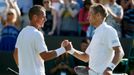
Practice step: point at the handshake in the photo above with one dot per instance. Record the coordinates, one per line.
(66, 46)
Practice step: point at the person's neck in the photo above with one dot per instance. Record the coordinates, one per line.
(112, 3)
(10, 23)
(34, 25)
(98, 23)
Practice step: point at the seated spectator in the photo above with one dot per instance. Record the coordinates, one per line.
(84, 17)
(64, 65)
(68, 15)
(83, 46)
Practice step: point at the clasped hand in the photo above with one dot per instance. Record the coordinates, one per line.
(67, 45)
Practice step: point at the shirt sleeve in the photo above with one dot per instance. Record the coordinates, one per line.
(17, 42)
(113, 39)
(40, 43)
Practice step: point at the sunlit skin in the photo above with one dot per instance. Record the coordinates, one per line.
(39, 20)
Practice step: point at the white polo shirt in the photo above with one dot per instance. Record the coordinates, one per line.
(30, 44)
(100, 49)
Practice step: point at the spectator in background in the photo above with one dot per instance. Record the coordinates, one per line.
(24, 6)
(81, 3)
(12, 15)
(128, 21)
(3, 8)
(83, 17)
(83, 46)
(69, 22)
(115, 15)
(125, 4)
(10, 24)
(64, 65)
(55, 4)
(50, 24)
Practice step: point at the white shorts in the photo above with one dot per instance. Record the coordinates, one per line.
(94, 73)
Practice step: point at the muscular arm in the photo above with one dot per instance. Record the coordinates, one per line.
(81, 56)
(15, 55)
(48, 55)
(119, 53)
(117, 58)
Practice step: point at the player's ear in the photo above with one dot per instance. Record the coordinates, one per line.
(35, 17)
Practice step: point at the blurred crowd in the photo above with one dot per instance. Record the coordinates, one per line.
(69, 17)
(64, 18)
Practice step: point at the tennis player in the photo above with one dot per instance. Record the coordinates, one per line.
(105, 50)
(31, 50)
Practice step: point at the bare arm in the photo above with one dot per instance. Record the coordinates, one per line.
(119, 53)
(15, 55)
(117, 58)
(48, 55)
(54, 13)
(81, 56)
(78, 54)
(117, 17)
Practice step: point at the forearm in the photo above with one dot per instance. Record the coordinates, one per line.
(118, 55)
(73, 12)
(15, 55)
(54, 23)
(117, 58)
(81, 56)
(48, 55)
(118, 18)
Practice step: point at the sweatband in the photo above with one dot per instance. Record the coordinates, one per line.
(60, 51)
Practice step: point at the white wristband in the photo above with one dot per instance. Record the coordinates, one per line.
(60, 51)
(112, 66)
(71, 51)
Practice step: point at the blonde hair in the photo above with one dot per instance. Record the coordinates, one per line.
(14, 13)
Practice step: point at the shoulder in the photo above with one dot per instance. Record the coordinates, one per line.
(118, 6)
(109, 29)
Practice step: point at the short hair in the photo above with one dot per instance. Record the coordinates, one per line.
(35, 10)
(85, 40)
(99, 8)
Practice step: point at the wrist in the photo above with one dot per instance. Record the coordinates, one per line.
(111, 66)
(71, 51)
(60, 51)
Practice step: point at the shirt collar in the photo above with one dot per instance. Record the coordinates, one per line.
(100, 27)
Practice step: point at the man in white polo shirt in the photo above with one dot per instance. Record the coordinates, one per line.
(31, 50)
(105, 50)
